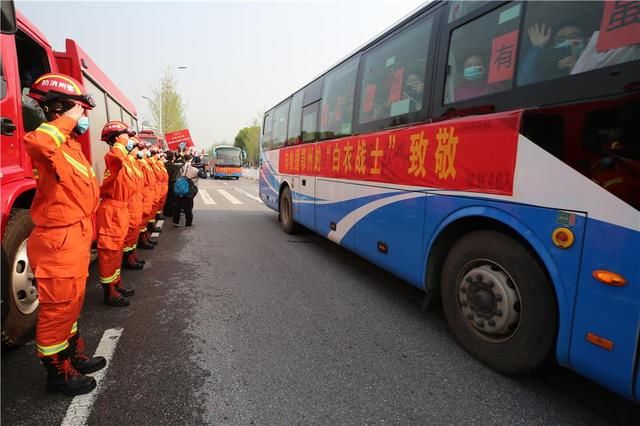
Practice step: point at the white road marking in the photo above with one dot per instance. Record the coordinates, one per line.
(206, 198)
(225, 183)
(80, 407)
(159, 224)
(246, 194)
(229, 197)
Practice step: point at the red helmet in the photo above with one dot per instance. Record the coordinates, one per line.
(51, 86)
(115, 128)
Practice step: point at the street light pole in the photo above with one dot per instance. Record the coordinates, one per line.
(162, 121)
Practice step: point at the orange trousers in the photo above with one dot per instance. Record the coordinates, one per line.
(148, 200)
(113, 223)
(59, 258)
(135, 218)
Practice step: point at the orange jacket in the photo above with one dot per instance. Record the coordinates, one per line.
(118, 183)
(138, 174)
(149, 175)
(67, 189)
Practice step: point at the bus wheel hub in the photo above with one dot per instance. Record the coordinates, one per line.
(489, 301)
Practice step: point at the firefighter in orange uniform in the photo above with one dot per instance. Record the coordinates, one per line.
(164, 188)
(148, 197)
(59, 246)
(113, 215)
(130, 258)
(161, 184)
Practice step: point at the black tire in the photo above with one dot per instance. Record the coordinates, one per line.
(499, 302)
(21, 303)
(286, 212)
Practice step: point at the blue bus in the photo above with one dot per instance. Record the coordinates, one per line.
(489, 154)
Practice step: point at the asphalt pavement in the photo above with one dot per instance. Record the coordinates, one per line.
(236, 322)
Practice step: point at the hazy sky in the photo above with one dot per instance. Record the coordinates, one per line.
(242, 57)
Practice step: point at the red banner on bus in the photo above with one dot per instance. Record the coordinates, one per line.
(468, 154)
(174, 139)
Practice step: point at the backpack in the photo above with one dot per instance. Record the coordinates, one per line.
(184, 187)
(181, 187)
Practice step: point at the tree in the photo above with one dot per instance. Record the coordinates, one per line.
(166, 105)
(248, 139)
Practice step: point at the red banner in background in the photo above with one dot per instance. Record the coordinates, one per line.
(174, 139)
(469, 154)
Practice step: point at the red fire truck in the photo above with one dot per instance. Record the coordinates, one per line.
(26, 55)
(149, 136)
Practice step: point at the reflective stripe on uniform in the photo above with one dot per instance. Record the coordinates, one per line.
(78, 165)
(53, 349)
(53, 132)
(128, 249)
(112, 278)
(121, 148)
(74, 328)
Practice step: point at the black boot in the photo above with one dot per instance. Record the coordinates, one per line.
(144, 243)
(149, 240)
(127, 292)
(129, 261)
(63, 377)
(112, 297)
(135, 256)
(80, 360)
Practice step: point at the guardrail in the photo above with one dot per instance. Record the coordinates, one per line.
(250, 173)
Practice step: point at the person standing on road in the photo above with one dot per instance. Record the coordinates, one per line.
(186, 203)
(67, 195)
(173, 165)
(148, 197)
(130, 257)
(117, 190)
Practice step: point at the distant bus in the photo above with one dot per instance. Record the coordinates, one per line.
(227, 162)
(488, 153)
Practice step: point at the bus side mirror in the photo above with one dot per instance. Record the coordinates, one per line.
(8, 22)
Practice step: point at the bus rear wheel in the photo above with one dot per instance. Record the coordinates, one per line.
(20, 295)
(286, 212)
(499, 302)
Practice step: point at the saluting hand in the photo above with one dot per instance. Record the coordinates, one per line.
(75, 112)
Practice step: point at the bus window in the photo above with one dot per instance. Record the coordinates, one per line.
(565, 38)
(266, 131)
(280, 125)
(32, 63)
(309, 122)
(460, 8)
(295, 115)
(393, 80)
(482, 55)
(337, 101)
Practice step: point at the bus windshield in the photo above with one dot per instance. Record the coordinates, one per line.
(228, 156)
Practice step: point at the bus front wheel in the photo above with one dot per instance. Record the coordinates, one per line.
(499, 302)
(286, 212)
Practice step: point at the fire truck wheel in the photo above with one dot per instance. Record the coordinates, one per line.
(20, 306)
(499, 302)
(286, 212)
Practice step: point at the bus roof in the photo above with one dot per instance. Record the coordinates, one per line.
(81, 62)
